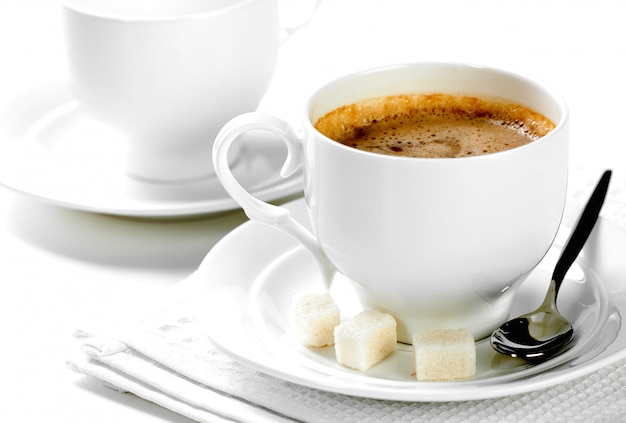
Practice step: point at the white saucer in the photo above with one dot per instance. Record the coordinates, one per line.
(50, 149)
(252, 273)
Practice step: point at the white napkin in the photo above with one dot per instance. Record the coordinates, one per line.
(166, 358)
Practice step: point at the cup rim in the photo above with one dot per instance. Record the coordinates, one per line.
(121, 17)
(554, 94)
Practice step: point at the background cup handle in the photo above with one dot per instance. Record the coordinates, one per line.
(288, 31)
(257, 210)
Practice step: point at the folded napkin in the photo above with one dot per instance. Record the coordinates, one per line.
(165, 358)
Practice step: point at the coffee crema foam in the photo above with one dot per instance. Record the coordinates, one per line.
(434, 125)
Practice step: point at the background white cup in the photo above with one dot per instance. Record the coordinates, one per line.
(170, 73)
(438, 243)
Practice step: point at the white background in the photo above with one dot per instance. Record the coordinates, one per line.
(61, 268)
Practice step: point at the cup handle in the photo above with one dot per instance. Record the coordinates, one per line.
(257, 210)
(289, 31)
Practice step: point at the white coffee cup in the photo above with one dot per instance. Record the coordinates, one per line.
(170, 73)
(437, 242)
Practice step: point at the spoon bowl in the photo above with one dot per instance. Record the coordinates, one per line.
(537, 334)
(544, 332)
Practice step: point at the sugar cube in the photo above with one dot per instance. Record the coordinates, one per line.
(315, 318)
(365, 339)
(444, 354)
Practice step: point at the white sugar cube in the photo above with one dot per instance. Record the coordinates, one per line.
(315, 318)
(365, 339)
(444, 354)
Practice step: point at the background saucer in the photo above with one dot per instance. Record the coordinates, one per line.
(51, 150)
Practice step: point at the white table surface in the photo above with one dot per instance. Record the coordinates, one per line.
(60, 268)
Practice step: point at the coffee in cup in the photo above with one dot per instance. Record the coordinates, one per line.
(439, 243)
(434, 125)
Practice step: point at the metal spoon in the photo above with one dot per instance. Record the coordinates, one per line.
(542, 333)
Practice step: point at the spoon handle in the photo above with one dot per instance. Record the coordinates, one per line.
(579, 235)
